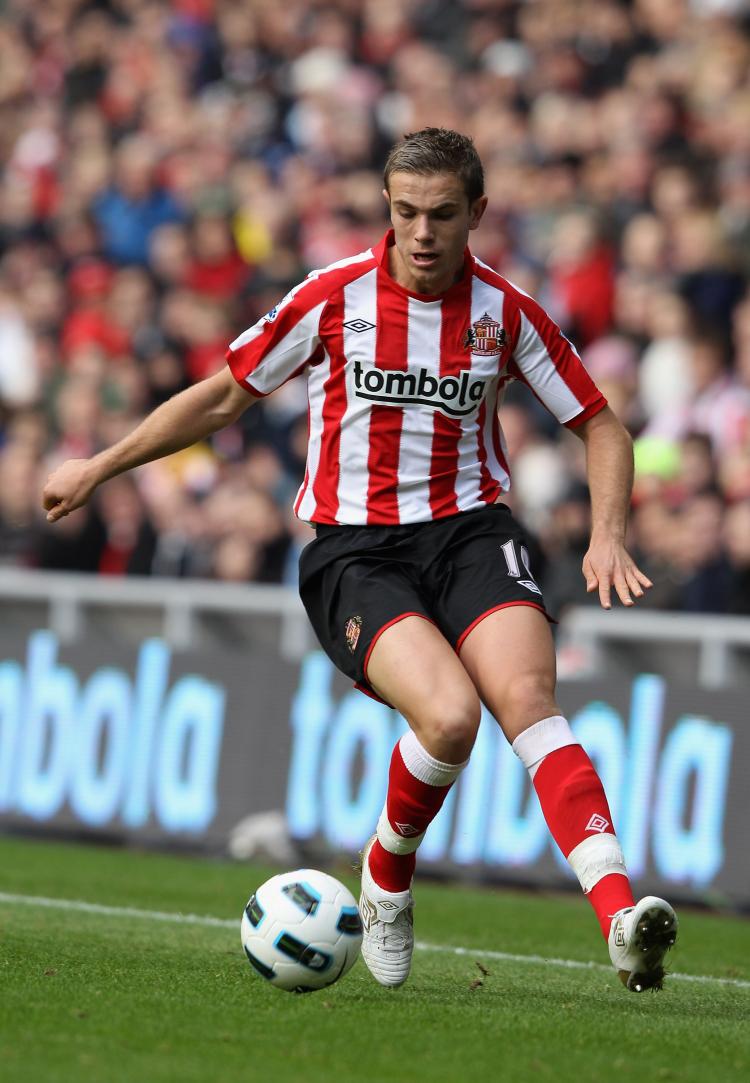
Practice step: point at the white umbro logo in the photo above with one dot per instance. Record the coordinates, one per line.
(597, 823)
(530, 585)
(407, 829)
(386, 904)
(359, 325)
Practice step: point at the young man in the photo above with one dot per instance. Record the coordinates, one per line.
(418, 582)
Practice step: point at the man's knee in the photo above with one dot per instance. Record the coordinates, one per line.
(449, 728)
(525, 696)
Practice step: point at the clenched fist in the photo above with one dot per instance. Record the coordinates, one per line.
(68, 488)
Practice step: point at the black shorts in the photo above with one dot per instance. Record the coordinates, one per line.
(356, 581)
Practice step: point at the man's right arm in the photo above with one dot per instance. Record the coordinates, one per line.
(181, 421)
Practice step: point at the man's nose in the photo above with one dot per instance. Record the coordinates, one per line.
(424, 231)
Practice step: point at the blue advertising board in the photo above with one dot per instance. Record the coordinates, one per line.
(178, 748)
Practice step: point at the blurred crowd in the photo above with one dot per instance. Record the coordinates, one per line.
(170, 169)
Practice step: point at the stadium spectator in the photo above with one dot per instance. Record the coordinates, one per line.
(737, 542)
(699, 555)
(134, 205)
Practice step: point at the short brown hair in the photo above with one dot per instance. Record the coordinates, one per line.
(438, 150)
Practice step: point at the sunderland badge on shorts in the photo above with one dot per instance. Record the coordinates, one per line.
(352, 628)
(486, 337)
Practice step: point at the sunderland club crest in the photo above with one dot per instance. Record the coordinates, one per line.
(486, 337)
(352, 628)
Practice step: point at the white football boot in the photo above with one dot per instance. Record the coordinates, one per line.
(387, 928)
(639, 938)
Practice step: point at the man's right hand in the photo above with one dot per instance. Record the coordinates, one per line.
(68, 488)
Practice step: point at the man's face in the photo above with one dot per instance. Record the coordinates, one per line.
(431, 219)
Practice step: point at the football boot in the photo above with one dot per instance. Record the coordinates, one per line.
(639, 938)
(387, 928)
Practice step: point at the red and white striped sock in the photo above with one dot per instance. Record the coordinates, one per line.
(417, 786)
(577, 813)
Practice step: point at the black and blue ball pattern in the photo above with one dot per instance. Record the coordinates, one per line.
(301, 930)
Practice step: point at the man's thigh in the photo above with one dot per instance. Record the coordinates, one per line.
(414, 668)
(510, 657)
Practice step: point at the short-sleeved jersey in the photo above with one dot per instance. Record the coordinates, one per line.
(404, 388)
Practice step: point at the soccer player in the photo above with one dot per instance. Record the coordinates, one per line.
(418, 582)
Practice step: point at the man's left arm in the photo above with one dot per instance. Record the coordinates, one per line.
(545, 360)
(609, 466)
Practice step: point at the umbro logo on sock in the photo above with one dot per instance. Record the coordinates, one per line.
(407, 829)
(597, 823)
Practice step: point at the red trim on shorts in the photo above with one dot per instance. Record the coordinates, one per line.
(379, 633)
(371, 693)
(495, 608)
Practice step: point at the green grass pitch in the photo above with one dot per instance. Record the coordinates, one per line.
(96, 996)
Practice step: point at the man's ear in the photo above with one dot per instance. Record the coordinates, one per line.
(387, 198)
(477, 209)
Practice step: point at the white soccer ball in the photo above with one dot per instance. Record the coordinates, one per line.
(301, 930)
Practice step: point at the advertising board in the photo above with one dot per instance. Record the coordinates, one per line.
(179, 748)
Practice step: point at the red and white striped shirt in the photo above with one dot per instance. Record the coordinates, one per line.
(404, 388)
